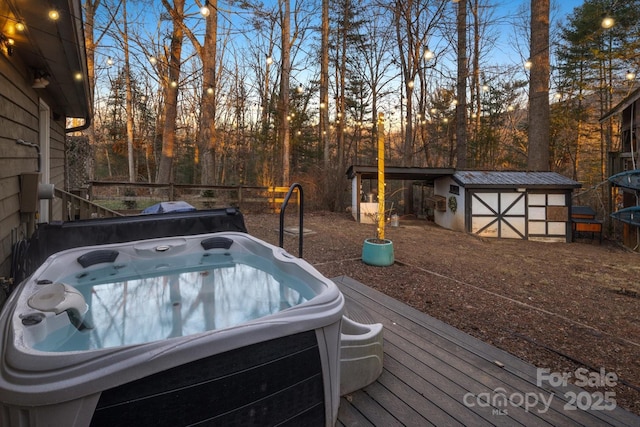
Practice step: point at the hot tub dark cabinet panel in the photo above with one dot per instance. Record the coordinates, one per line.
(277, 382)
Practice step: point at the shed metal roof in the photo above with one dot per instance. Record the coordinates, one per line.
(500, 179)
(399, 173)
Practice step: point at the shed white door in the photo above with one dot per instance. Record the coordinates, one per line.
(499, 214)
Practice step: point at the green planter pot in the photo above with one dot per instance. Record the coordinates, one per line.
(377, 252)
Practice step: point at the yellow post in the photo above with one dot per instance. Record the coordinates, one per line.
(381, 218)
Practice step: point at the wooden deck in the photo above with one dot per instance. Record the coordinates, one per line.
(435, 374)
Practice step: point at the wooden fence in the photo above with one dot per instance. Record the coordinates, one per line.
(137, 196)
(73, 206)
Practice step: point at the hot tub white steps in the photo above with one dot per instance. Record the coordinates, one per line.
(361, 349)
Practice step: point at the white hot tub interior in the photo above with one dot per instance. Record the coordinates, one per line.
(154, 291)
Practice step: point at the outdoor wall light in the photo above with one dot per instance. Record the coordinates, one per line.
(41, 79)
(7, 43)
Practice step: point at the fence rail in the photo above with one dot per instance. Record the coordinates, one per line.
(136, 196)
(75, 207)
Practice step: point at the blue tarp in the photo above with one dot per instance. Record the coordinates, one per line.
(164, 207)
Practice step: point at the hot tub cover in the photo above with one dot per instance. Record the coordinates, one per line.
(164, 207)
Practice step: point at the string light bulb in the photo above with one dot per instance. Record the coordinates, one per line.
(20, 26)
(54, 15)
(204, 10)
(607, 22)
(428, 54)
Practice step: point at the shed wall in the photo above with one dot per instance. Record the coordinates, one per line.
(448, 218)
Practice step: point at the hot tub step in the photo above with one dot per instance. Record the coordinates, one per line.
(360, 355)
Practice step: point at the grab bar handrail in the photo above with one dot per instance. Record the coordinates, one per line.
(300, 212)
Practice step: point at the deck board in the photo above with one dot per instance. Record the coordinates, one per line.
(430, 366)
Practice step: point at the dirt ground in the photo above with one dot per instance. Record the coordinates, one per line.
(560, 306)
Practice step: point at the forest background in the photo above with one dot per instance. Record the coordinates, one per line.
(232, 93)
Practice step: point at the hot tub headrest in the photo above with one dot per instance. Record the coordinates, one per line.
(51, 238)
(59, 298)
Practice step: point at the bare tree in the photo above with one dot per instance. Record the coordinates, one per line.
(129, 95)
(285, 74)
(323, 127)
(461, 89)
(93, 36)
(207, 135)
(170, 85)
(375, 63)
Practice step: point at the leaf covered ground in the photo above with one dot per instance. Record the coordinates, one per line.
(560, 306)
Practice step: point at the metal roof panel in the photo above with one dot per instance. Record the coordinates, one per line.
(506, 179)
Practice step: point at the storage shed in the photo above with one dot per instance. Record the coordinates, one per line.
(364, 209)
(516, 205)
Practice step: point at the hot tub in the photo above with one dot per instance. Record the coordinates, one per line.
(206, 329)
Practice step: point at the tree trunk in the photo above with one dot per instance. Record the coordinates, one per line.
(207, 138)
(341, 102)
(128, 94)
(324, 90)
(171, 100)
(538, 152)
(90, 8)
(461, 106)
(284, 91)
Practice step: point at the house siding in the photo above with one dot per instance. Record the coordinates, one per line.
(19, 119)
